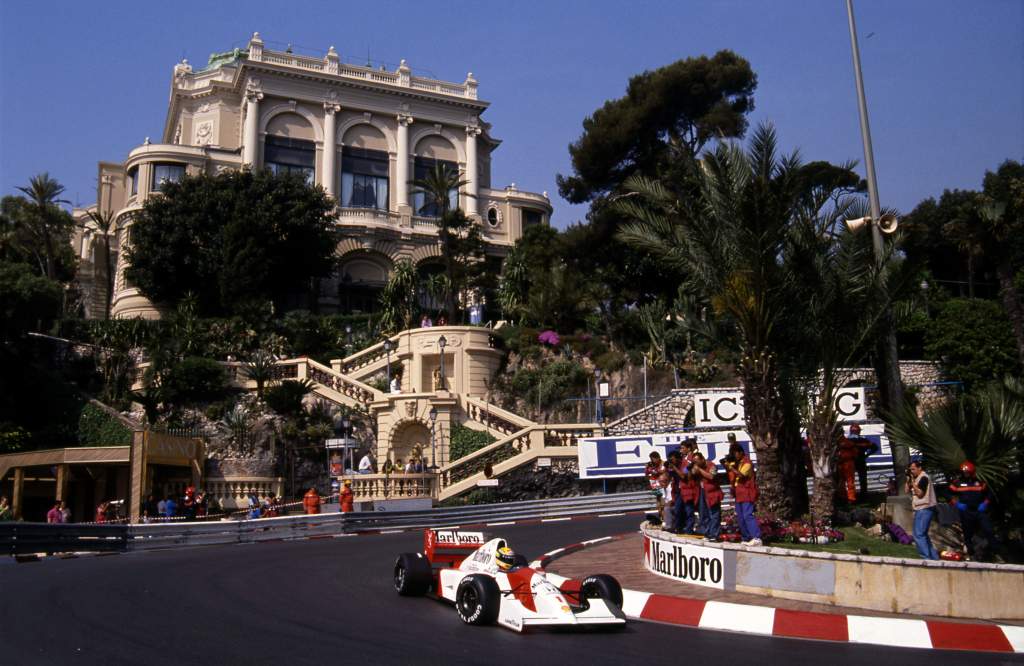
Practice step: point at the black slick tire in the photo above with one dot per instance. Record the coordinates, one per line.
(478, 600)
(602, 586)
(413, 575)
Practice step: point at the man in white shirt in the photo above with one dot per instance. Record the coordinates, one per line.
(366, 464)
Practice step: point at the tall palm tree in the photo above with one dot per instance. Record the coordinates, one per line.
(47, 221)
(730, 240)
(437, 186)
(104, 222)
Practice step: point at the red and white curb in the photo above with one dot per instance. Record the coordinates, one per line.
(768, 621)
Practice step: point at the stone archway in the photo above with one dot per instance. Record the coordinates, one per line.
(405, 439)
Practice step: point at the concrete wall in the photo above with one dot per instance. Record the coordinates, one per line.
(894, 585)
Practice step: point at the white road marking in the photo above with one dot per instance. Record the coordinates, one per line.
(888, 631)
(610, 515)
(723, 615)
(554, 520)
(508, 522)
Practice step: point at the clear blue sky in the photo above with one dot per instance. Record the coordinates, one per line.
(85, 81)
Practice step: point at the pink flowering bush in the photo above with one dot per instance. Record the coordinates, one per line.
(549, 338)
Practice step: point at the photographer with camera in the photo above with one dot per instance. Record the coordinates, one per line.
(710, 520)
(922, 499)
(743, 480)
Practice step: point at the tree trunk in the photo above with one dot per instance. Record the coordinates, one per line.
(764, 421)
(823, 439)
(1012, 304)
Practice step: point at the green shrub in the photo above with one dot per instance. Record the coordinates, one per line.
(466, 440)
(286, 397)
(96, 427)
(195, 380)
(610, 361)
(973, 340)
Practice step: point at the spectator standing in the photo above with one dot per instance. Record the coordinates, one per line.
(311, 501)
(653, 471)
(254, 505)
(65, 513)
(846, 468)
(170, 507)
(101, 512)
(5, 510)
(396, 384)
(346, 496)
(150, 506)
(399, 467)
(743, 480)
(442, 320)
(865, 449)
(366, 464)
(674, 468)
(972, 500)
(56, 514)
(711, 519)
(922, 498)
(161, 507)
(689, 493)
(426, 322)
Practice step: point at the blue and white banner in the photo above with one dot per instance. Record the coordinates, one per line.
(624, 456)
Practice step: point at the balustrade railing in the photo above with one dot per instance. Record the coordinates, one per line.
(372, 487)
(492, 416)
(354, 390)
(232, 492)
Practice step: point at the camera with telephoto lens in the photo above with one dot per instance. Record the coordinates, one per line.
(725, 462)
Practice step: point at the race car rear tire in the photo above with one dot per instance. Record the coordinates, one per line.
(478, 600)
(413, 575)
(602, 586)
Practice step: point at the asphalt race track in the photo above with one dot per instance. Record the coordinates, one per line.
(331, 601)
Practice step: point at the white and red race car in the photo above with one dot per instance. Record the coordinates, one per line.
(460, 567)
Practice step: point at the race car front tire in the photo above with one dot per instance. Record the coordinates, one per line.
(602, 586)
(478, 600)
(413, 575)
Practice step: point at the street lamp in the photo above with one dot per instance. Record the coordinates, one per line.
(348, 338)
(388, 346)
(924, 292)
(597, 395)
(346, 426)
(433, 449)
(442, 342)
(889, 382)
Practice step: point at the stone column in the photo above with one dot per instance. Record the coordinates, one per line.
(472, 176)
(17, 491)
(250, 137)
(402, 166)
(327, 176)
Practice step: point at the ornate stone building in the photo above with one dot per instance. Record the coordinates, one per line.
(359, 132)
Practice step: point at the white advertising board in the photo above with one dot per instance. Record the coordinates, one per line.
(690, 563)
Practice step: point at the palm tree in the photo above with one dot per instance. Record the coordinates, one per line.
(47, 221)
(104, 222)
(437, 186)
(399, 298)
(730, 240)
(986, 428)
(261, 368)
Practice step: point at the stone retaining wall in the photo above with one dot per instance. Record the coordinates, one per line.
(890, 584)
(669, 414)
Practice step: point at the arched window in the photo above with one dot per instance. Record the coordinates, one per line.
(364, 178)
(283, 155)
(421, 203)
(164, 172)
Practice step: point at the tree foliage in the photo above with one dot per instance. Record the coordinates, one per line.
(667, 113)
(973, 340)
(233, 240)
(26, 298)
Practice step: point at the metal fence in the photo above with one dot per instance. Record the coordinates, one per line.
(22, 538)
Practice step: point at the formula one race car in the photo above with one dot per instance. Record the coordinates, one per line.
(489, 583)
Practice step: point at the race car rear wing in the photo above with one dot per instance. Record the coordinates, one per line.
(447, 548)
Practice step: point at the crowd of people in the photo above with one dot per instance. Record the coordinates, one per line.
(689, 491)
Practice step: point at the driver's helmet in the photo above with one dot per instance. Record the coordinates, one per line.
(967, 469)
(505, 558)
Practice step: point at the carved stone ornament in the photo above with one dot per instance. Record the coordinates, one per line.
(204, 133)
(177, 135)
(410, 408)
(405, 119)
(203, 108)
(331, 103)
(254, 89)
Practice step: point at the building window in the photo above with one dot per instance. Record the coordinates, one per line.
(133, 178)
(493, 216)
(364, 178)
(290, 156)
(531, 218)
(422, 167)
(166, 173)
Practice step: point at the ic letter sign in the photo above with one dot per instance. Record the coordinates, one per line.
(718, 409)
(850, 404)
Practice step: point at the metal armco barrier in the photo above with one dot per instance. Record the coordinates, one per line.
(21, 538)
(25, 538)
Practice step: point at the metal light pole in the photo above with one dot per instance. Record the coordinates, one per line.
(433, 449)
(346, 432)
(388, 346)
(597, 395)
(889, 379)
(442, 342)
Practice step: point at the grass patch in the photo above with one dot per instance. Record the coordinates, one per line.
(857, 538)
